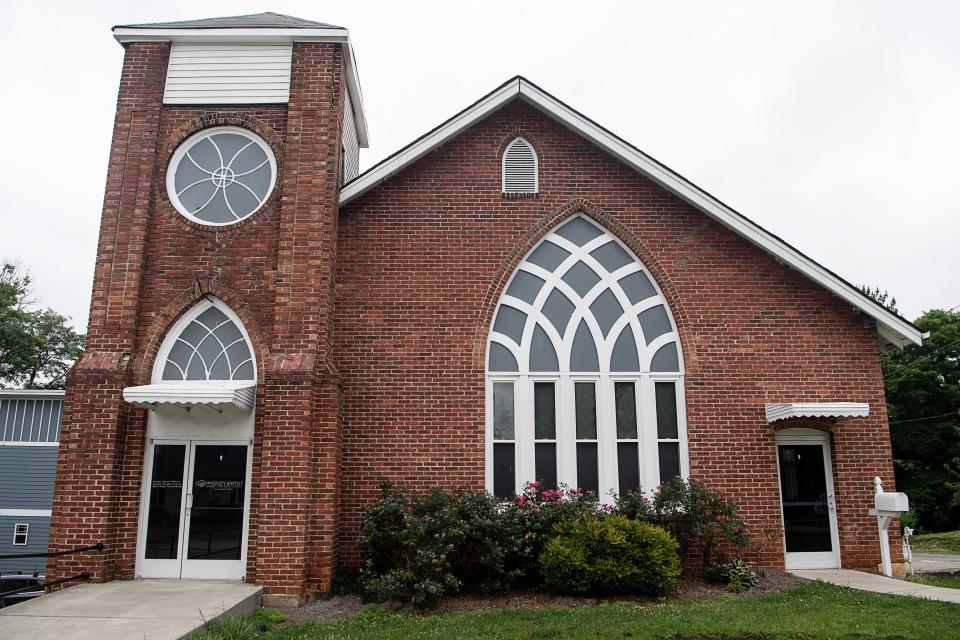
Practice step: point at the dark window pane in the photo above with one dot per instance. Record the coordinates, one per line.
(503, 474)
(587, 474)
(628, 466)
(544, 411)
(166, 491)
(666, 393)
(503, 411)
(586, 403)
(216, 517)
(669, 460)
(803, 488)
(626, 400)
(546, 464)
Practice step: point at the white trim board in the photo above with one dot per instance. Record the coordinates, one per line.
(125, 35)
(891, 327)
(26, 513)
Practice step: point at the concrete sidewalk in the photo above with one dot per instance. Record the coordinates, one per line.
(124, 609)
(879, 584)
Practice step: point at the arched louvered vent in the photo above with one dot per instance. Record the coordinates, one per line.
(520, 168)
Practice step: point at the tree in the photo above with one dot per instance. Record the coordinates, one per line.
(923, 399)
(37, 347)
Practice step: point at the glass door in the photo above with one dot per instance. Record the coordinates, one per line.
(215, 512)
(196, 506)
(809, 518)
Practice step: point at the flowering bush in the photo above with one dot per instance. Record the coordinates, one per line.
(419, 549)
(697, 517)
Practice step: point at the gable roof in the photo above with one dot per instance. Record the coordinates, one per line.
(266, 20)
(894, 330)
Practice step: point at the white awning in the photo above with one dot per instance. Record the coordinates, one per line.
(215, 394)
(785, 410)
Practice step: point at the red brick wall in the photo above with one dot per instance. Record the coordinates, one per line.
(424, 257)
(275, 269)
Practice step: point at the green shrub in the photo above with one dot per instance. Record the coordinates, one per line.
(416, 550)
(611, 555)
(736, 574)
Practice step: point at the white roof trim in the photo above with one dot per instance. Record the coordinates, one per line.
(215, 394)
(54, 394)
(890, 326)
(786, 410)
(123, 35)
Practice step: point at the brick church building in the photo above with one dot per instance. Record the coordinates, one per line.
(518, 294)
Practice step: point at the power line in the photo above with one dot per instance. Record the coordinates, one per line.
(942, 415)
(923, 357)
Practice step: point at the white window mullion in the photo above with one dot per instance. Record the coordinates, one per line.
(566, 433)
(526, 466)
(607, 439)
(647, 433)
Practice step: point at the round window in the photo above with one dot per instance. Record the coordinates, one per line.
(220, 176)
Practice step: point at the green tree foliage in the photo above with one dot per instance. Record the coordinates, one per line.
(37, 346)
(923, 399)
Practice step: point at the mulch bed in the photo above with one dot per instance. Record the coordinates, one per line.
(691, 588)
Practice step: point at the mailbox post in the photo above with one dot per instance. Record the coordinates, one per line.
(887, 506)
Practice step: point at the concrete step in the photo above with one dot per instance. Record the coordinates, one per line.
(123, 609)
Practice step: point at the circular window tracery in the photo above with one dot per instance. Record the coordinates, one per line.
(222, 175)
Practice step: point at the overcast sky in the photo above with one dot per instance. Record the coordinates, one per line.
(836, 128)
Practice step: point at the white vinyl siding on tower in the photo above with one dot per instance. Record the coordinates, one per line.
(351, 146)
(228, 73)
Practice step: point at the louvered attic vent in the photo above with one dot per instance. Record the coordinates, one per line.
(520, 168)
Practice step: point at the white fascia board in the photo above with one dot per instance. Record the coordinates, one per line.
(786, 410)
(33, 394)
(125, 35)
(902, 332)
(251, 36)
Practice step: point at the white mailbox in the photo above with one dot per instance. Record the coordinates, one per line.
(892, 501)
(887, 506)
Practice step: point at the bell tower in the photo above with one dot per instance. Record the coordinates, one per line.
(231, 140)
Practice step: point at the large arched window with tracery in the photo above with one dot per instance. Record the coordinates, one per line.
(584, 371)
(208, 343)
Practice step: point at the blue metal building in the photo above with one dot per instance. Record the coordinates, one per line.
(29, 437)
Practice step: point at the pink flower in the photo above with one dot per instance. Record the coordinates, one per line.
(719, 518)
(607, 508)
(736, 529)
(533, 485)
(521, 500)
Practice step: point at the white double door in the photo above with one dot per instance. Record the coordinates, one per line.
(195, 510)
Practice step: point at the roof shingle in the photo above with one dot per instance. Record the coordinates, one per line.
(267, 20)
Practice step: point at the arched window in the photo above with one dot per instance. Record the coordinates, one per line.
(584, 371)
(520, 168)
(207, 343)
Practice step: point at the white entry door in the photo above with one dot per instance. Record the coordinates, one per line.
(194, 523)
(807, 499)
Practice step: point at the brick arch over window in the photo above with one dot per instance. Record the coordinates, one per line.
(180, 307)
(584, 370)
(583, 207)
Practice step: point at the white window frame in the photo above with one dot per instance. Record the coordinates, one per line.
(536, 167)
(21, 529)
(644, 381)
(187, 144)
(177, 329)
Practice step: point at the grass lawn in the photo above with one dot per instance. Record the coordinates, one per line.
(951, 581)
(810, 611)
(947, 542)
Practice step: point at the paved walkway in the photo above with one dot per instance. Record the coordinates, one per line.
(879, 584)
(141, 609)
(936, 562)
